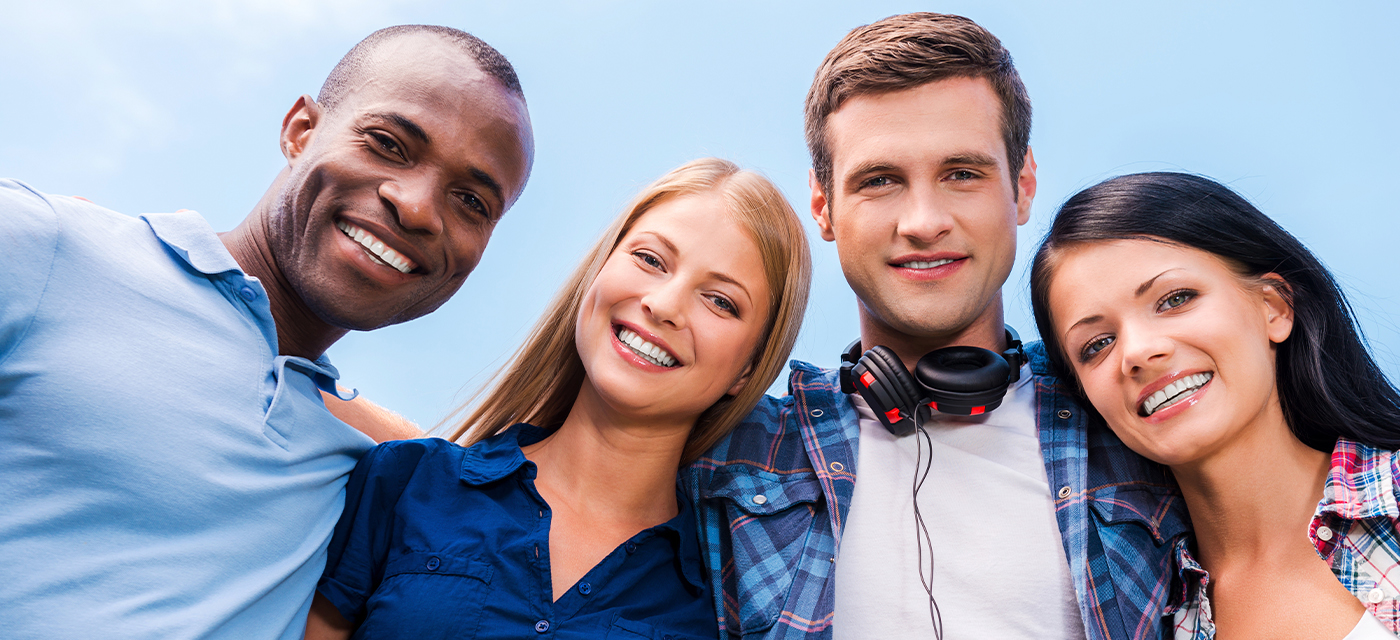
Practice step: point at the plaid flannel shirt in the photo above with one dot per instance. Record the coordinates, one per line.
(773, 495)
(1353, 530)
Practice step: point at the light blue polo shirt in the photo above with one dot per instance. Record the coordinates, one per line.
(163, 472)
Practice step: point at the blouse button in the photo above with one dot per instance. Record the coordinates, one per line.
(542, 626)
(760, 499)
(1324, 533)
(1375, 596)
(433, 563)
(631, 547)
(585, 588)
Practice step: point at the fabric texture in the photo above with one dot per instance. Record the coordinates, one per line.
(164, 473)
(1354, 530)
(440, 541)
(772, 498)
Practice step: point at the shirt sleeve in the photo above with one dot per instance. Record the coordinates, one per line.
(362, 538)
(28, 241)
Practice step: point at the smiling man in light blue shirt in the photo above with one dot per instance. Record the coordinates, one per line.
(167, 466)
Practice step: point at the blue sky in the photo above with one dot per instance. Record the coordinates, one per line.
(156, 105)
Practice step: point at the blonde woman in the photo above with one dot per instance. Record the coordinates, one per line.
(568, 524)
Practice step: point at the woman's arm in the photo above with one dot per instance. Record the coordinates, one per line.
(325, 621)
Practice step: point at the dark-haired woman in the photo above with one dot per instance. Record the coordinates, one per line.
(1213, 342)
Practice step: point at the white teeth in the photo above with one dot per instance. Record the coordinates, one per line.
(925, 265)
(654, 354)
(381, 253)
(1174, 392)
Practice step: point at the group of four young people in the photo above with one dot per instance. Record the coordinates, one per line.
(1200, 370)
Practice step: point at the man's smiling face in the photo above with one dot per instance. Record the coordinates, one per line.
(393, 194)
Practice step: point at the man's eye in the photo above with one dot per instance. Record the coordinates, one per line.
(476, 204)
(1093, 347)
(386, 144)
(878, 181)
(961, 174)
(1175, 299)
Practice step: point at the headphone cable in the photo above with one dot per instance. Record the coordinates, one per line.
(921, 536)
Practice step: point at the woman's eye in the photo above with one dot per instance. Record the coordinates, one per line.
(1175, 299)
(725, 305)
(1093, 347)
(650, 260)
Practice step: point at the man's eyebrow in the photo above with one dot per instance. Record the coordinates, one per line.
(490, 183)
(404, 123)
(1142, 288)
(971, 158)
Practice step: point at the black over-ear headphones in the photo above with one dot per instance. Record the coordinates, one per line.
(964, 381)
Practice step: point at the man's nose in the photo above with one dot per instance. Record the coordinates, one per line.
(926, 218)
(415, 203)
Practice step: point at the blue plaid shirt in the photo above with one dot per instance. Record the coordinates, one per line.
(772, 498)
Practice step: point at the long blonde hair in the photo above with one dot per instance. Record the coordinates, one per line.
(542, 379)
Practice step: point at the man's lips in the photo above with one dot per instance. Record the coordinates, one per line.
(378, 250)
(928, 267)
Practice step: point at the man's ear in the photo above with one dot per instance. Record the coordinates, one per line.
(743, 380)
(821, 211)
(1278, 313)
(1025, 183)
(298, 127)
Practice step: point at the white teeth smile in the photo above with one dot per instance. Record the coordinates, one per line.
(926, 265)
(650, 352)
(378, 252)
(1174, 392)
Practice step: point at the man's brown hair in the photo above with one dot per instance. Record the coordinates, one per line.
(906, 51)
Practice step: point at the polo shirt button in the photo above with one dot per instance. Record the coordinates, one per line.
(542, 626)
(631, 547)
(1324, 533)
(433, 563)
(585, 588)
(760, 499)
(248, 293)
(1375, 596)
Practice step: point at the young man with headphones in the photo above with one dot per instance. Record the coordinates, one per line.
(941, 479)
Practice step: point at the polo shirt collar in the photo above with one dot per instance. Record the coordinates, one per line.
(190, 237)
(500, 456)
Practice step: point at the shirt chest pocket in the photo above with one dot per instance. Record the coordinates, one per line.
(771, 521)
(428, 595)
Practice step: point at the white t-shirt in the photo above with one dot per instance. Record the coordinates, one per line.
(999, 566)
(1369, 628)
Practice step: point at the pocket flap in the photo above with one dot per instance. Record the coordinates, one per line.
(438, 563)
(762, 493)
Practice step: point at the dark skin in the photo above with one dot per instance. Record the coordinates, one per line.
(423, 154)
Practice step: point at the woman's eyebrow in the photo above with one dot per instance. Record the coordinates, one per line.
(1142, 288)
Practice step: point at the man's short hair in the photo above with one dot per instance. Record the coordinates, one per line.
(907, 51)
(343, 76)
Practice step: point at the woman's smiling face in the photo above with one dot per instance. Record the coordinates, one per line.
(1171, 345)
(670, 324)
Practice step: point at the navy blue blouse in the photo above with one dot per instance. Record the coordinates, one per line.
(439, 541)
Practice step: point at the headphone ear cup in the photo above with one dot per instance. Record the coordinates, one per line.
(892, 388)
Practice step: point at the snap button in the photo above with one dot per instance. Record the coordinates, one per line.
(542, 626)
(433, 563)
(585, 588)
(760, 499)
(631, 547)
(816, 413)
(837, 466)
(1324, 533)
(1375, 596)
(1064, 414)
(248, 293)
(1065, 491)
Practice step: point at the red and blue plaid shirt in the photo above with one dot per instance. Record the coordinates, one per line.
(1353, 529)
(772, 498)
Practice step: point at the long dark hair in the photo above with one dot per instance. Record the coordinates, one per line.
(1328, 384)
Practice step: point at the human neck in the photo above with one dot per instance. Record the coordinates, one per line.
(1251, 502)
(622, 468)
(299, 331)
(987, 331)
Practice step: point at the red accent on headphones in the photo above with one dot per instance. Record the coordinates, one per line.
(977, 411)
(893, 415)
(867, 378)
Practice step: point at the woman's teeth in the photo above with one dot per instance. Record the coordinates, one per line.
(926, 265)
(652, 353)
(376, 247)
(1174, 392)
